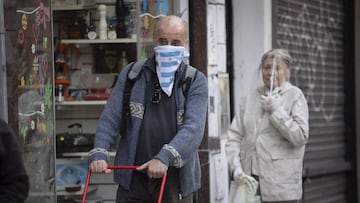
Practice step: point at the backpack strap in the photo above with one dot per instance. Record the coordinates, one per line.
(135, 69)
(189, 77)
(132, 75)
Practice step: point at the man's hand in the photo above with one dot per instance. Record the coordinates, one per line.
(99, 166)
(155, 168)
(241, 178)
(270, 103)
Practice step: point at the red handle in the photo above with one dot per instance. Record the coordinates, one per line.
(162, 186)
(122, 167)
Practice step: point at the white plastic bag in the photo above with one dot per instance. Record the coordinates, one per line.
(242, 194)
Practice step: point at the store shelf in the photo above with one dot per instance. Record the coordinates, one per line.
(98, 41)
(69, 194)
(41, 194)
(81, 154)
(68, 6)
(72, 8)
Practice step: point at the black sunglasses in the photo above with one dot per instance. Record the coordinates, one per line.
(156, 93)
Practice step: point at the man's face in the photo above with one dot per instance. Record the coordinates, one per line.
(280, 72)
(170, 34)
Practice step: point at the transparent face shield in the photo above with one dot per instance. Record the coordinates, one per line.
(273, 74)
(265, 76)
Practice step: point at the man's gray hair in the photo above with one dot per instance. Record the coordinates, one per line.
(158, 21)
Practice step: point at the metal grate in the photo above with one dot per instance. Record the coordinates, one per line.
(313, 32)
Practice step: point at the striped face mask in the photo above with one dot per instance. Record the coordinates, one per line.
(168, 59)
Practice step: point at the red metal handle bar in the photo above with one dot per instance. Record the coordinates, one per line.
(162, 188)
(86, 187)
(122, 167)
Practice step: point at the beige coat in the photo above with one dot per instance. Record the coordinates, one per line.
(275, 142)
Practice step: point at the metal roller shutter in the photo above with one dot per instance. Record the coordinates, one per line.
(313, 31)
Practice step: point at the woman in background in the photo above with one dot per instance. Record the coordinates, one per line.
(267, 137)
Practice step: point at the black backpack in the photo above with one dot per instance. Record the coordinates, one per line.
(133, 74)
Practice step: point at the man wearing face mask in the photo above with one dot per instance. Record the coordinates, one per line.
(166, 128)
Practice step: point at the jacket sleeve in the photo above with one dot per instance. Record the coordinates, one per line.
(14, 181)
(235, 134)
(109, 125)
(293, 124)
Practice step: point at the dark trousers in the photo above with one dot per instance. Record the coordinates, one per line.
(259, 193)
(146, 190)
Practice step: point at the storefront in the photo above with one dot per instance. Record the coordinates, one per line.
(50, 50)
(320, 35)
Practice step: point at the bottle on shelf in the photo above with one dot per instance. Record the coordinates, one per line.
(102, 23)
(60, 97)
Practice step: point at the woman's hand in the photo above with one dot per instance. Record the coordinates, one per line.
(270, 103)
(241, 178)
